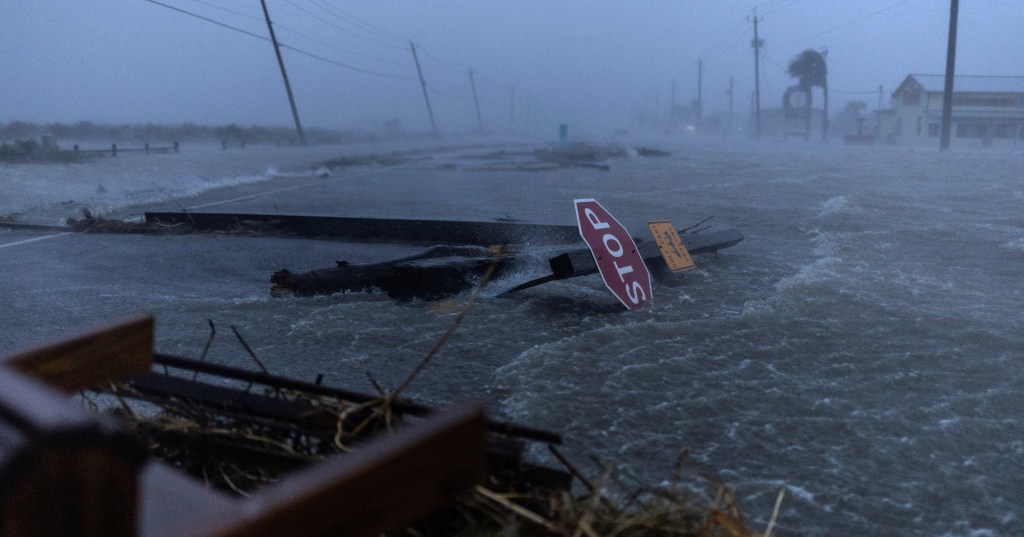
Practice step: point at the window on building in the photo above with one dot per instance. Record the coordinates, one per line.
(933, 129)
(971, 130)
(919, 120)
(911, 97)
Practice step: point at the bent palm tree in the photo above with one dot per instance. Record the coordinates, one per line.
(810, 70)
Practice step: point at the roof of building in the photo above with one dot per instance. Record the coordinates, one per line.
(968, 83)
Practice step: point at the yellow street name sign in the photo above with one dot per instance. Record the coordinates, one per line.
(671, 245)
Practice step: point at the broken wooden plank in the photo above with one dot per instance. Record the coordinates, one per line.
(413, 231)
(95, 358)
(398, 406)
(166, 390)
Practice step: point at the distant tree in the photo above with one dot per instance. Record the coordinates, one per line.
(810, 70)
(17, 130)
(82, 129)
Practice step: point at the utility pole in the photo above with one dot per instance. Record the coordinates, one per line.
(757, 43)
(423, 83)
(672, 109)
(729, 129)
(672, 98)
(700, 93)
(947, 92)
(284, 74)
(878, 115)
(476, 102)
(512, 110)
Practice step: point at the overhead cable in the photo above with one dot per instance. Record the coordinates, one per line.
(339, 28)
(207, 19)
(222, 8)
(345, 65)
(848, 23)
(336, 12)
(283, 45)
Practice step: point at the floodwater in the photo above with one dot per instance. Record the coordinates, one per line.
(862, 347)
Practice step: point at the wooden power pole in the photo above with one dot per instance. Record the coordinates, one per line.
(512, 109)
(476, 102)
(284, 74)
(423, 84)
(729, 129)
(947, 91)
(756, 43)
(700, 94)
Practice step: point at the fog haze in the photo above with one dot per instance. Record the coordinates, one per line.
(594, 65)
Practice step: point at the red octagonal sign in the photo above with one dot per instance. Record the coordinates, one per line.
(617, 258)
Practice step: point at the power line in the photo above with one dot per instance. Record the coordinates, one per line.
(345, 65)
(283, 45)
(222, 8)
(848, 23)
(339, 28)
(207, 19)
(439, 61)
(336, 47)
(355, 21)
(773, 62)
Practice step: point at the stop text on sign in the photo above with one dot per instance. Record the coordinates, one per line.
(615, 253)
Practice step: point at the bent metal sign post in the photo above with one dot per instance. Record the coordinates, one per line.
(615, 253)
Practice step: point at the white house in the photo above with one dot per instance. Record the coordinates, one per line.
(987, 111)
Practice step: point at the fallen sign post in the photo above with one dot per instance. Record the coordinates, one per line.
(615, 254)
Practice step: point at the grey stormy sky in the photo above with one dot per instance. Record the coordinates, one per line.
(592, 64)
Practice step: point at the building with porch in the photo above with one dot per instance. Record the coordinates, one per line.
(987, 111)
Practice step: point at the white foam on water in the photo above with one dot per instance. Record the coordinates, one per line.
(833, 205)
(820, 270)
(1016, 245)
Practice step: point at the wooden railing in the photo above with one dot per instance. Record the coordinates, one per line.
(67, 471)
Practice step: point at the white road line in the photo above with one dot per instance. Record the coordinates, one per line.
(285, 189)
(26, 241)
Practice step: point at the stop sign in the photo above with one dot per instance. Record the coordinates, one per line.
(615, 253)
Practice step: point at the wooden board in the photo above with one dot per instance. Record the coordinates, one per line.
(95, 358)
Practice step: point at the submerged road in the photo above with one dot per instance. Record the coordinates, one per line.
(58, 281)
(860, 348)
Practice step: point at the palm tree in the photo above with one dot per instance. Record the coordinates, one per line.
(810, 70)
